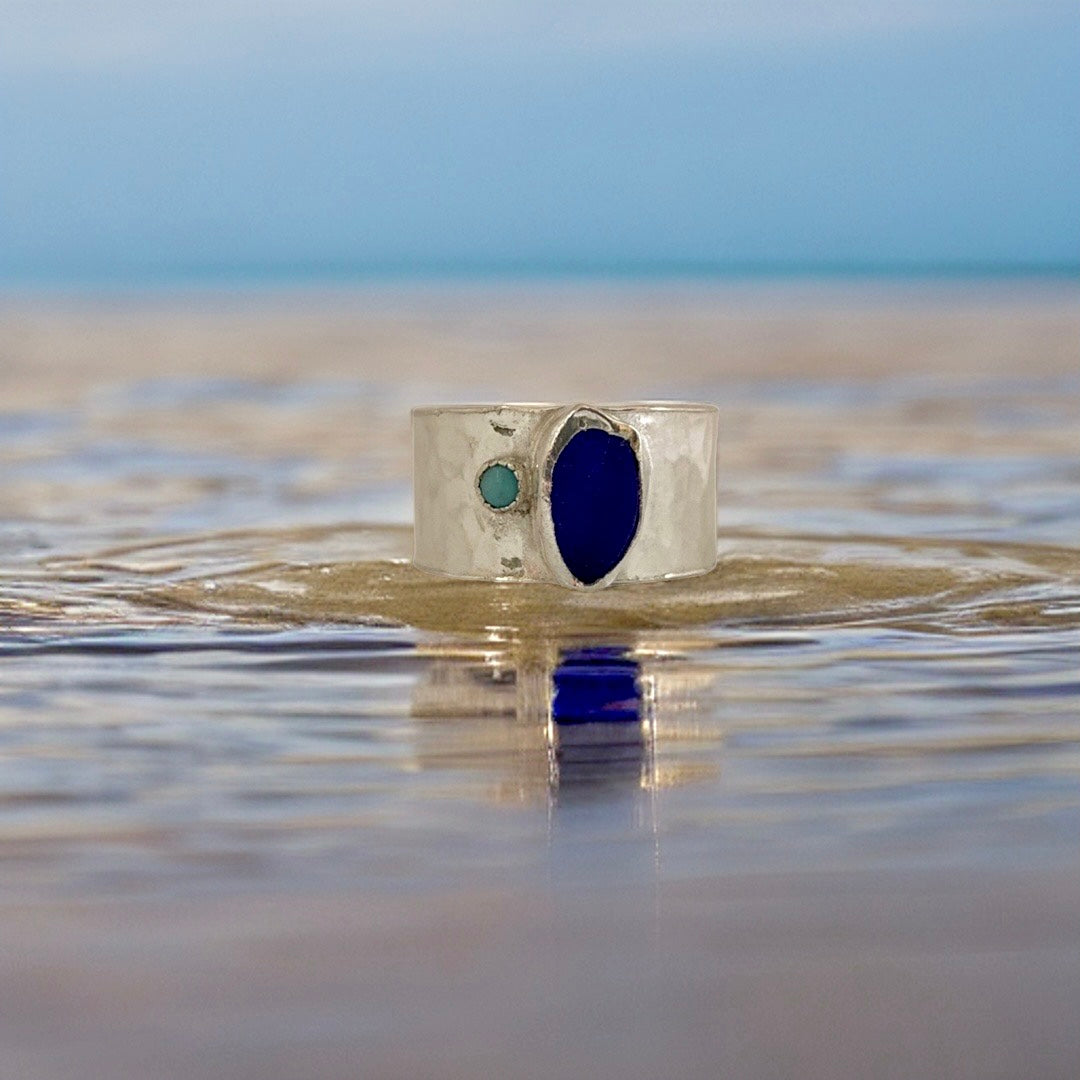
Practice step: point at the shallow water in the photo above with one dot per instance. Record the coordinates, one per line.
(274, 803)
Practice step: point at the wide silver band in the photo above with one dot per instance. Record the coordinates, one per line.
(458, 533)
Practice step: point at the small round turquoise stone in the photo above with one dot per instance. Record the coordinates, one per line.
(499, 486)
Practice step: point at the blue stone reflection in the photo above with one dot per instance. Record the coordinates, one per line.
(595, 502)
(596, 709)
(595, 684)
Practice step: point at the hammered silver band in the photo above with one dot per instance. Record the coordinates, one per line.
(468, 460)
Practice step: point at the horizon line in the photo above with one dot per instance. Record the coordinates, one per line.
(347, 272)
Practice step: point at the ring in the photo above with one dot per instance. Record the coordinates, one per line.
(577, 495)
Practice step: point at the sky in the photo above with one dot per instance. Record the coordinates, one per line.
(145, 140)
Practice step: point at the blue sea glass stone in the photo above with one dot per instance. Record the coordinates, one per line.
(595, 502)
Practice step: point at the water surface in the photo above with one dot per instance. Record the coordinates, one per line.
(273, 803)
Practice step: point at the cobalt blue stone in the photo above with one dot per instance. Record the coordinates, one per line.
(595, 502)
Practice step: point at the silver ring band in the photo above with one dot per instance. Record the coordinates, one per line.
(576, 495)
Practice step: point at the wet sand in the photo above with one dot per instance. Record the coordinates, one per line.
(818, 974)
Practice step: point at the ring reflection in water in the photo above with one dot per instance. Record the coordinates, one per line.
(565, 721)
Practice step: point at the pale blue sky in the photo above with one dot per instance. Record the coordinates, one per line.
(150, 140)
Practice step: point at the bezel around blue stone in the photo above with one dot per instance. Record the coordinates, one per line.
(521, 501)
(563, 426)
